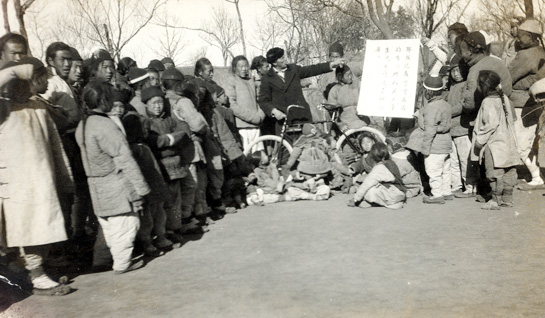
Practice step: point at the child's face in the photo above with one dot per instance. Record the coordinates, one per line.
(39, 84)
(367, 143)
(155, 105)
(347, 77)
(118, 109)
(456, 74)
(222, 99)
(154, 78)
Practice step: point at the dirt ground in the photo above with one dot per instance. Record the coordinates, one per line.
(324, 259)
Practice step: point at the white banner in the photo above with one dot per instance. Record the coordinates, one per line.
(389, 79)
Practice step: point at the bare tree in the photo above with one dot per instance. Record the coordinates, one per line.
(495, 17)
(5, 15)
(529, 8)
(114, 23)
(20, 10)
(288, 13)
(379, 11)
(170, 43)
(242, 39)
(432, 14)
(39, 35)
(220, 31)
(267, 34)
(196, 54)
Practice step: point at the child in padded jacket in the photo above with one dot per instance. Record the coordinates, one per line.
(433, 140)
(169, 139)
(494, 141)
(116, 183)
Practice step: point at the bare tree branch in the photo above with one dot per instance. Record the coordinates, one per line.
(5, 15)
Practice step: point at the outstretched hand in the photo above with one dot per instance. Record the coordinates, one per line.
(337, 63)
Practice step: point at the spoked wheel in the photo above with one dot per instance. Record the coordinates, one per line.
(352, 134)
(272, 148)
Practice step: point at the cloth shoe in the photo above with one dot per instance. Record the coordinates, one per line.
(133, 266)
(161, 242)
(507, 198)
(431, 200)
(465, 194)
(150, 250)
(490, 205)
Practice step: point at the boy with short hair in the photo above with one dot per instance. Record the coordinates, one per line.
(432, 139)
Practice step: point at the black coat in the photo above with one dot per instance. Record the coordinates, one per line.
(278, 93)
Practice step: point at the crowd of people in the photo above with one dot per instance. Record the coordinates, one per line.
(132, 158)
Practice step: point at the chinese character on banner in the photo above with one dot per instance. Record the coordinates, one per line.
(380, 79)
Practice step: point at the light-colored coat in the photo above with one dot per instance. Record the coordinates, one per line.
(34, 169)
(347, 95)
(115, 180)
(243, 101)
(432, 134)
(492, 130)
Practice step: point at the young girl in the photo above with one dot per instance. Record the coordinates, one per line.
(115, 181)
(359, 169)
(494, 141)
(383, 186)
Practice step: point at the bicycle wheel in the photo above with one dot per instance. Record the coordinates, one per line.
(271, 147)
(353, 135)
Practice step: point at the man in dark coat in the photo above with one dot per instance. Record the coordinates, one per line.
(281, 87)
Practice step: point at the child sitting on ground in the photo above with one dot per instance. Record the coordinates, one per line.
(360, 168)
(383, 186)
(494, 141)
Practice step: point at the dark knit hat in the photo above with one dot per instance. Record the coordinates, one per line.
(172, 74)
(433, 83)
(137, 74)
(119, 96)
(444, 70)
(455, 61)
(75, 54)
(102, 55)
(458, 27)
(475, 40)
(274, 54)
(336, 47)
(150, 92)
(167, 60)
(156, 65)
